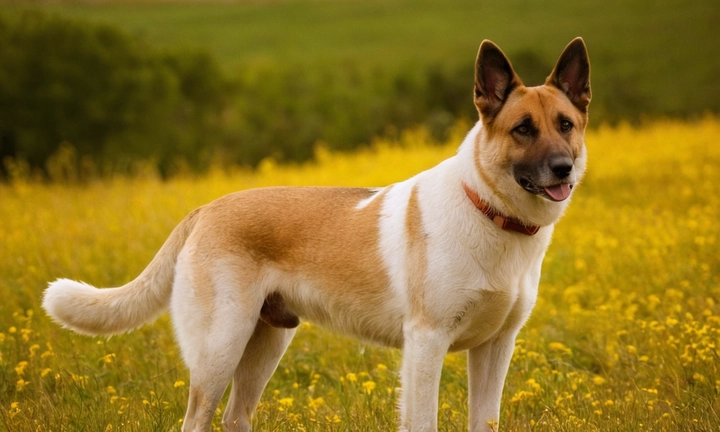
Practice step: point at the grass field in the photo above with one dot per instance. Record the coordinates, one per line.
(659, 56)
(624, 337)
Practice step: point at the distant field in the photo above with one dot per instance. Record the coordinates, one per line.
(662, 56)
(247, 80)
(624, 337)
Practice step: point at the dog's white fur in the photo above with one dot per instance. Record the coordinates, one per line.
(414, 266)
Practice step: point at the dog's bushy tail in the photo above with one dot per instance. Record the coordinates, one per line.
(92, 311)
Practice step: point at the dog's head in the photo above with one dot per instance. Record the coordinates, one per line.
(531, 150)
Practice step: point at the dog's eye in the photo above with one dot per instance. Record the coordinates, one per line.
(565, 125)
(523, 129)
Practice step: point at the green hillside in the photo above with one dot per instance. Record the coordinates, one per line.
(661, 54)
(343, 71)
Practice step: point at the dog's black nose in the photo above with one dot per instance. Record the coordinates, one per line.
(561, 166)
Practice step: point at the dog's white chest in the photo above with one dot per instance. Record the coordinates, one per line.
(451, 269)
(486, 313)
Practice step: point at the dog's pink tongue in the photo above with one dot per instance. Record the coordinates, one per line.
(559, 192)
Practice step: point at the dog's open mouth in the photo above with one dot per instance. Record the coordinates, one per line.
(557, 192)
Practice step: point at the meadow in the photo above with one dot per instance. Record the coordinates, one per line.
(624, 337)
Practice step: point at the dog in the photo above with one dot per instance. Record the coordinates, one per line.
(447, 260)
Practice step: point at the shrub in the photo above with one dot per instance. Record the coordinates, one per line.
(104, 93)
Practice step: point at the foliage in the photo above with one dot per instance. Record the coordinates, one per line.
(112, 101)
(284, 112)
(624, 337)
(105, 94)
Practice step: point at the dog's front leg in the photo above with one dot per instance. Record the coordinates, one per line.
(423, 354)
(487, 367)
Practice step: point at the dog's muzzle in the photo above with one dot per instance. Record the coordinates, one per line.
(551, 179)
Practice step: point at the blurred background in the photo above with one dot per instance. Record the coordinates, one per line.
(193, 84)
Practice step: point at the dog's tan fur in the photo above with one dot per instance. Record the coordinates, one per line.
(414, 265)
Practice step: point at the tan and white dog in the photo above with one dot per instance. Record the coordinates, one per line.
(447, 260)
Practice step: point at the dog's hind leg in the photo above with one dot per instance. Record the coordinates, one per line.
(212, 369)
(215, 312)
(261, 357)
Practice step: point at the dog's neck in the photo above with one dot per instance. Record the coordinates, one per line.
(504, 222)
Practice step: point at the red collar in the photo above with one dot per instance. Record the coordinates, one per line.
(504, 222)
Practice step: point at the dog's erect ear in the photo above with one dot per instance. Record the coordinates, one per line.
(494, 79)
(572, 74)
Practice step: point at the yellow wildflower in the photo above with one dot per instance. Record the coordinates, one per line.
(534, 385)
(21, 384)
(369, 386)
(286, 402)
(557, 346)
(14, 409)
(521, 395)
(20, 368)
(316, 403)
(698, 377)
(334, 419)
